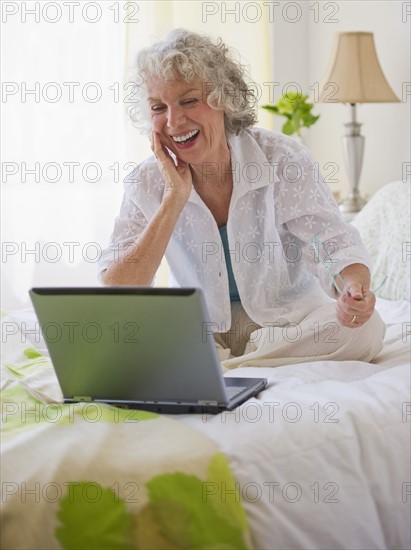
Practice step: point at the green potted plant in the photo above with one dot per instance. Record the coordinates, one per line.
(296, 109)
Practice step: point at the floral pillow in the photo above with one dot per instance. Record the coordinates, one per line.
(385, 228)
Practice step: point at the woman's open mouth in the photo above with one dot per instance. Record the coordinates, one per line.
(186, 140)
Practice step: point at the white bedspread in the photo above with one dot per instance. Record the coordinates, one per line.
(322, 456)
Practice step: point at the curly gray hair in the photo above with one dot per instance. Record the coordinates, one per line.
(188, 55)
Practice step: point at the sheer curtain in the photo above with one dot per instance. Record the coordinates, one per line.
(64, 141)
(67, 144)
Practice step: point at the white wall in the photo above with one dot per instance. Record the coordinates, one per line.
(302, 51)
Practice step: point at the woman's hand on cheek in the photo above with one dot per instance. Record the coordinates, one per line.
(177, 177)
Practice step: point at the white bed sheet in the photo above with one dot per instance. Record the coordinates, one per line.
(322, 456)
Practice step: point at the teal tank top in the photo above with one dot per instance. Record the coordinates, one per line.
(234, 296)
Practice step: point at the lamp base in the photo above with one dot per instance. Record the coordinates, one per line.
(353, 147)
(352, 204)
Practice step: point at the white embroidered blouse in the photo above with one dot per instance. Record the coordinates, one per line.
(279, 203)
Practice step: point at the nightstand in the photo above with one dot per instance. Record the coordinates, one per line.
(349, 204)
(348, 216)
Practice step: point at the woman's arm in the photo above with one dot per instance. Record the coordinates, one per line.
(329, 245)
(138, 264)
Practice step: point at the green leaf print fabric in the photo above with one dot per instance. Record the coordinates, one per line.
(85, 475)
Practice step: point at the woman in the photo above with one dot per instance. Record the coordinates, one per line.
(242, 213)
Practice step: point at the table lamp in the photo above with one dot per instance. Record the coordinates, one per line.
(355, 76)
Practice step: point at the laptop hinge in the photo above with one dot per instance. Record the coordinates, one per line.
(82, 398)
(207, 403)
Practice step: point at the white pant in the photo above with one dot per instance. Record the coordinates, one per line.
(317, 337)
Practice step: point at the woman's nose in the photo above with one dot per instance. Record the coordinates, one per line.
(175, 117)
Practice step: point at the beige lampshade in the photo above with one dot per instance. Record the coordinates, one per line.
(355, 74)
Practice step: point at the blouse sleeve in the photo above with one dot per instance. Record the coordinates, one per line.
(307, 208)
(128, 226)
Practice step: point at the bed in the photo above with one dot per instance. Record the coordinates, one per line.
(320, 459)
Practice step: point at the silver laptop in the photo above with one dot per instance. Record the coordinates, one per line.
(137, 347)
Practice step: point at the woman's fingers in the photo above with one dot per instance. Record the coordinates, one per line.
(159, 150)
(353, 313)
(176, 174)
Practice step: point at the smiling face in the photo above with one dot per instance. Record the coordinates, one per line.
(187, 125)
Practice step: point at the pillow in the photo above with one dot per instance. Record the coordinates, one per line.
(384, 225)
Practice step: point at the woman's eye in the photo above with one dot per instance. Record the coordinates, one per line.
(159, 108)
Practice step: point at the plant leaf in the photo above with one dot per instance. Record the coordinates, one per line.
(271, 108)
(289, 128)
(296, 109)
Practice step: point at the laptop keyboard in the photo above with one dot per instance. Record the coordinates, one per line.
(232, 391)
